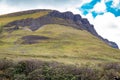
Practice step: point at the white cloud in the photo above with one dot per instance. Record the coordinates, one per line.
(100, 7)
(108, 26)
(5, 7)
(89, 17)
(61, 5)
(116, 4)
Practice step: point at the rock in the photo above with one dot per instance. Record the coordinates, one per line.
(16, 27)
(68, 15)
(65, 15)
(110, 43)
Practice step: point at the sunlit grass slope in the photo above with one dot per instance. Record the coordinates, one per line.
(64, 44)
(6, 19)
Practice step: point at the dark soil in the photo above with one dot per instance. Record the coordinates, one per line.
(32, 39)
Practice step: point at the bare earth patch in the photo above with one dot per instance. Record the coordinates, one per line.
(32, 39)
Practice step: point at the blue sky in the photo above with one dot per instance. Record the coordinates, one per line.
(103, 14)
(87, 7)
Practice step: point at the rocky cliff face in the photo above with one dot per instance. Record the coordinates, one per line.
(85, 25)
(56, 17)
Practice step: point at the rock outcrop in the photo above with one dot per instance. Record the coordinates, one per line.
(56, 17)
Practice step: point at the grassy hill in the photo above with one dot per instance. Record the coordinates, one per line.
(65, 52)
(62, 43)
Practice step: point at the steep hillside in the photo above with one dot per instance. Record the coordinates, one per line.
(42, 17)
(53, 36)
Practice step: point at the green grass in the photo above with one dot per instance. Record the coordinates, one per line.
(66, 44)
(5, 20)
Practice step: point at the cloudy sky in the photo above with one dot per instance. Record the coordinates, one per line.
(104, 14)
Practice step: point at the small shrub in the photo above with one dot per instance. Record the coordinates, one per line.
(20, 68)
(1, 28)
(49, 73)
(9, 72)
(36, 75)
(28, 66)
(110, 74)
(86, 73)
(19, 77)
(4, 64)
(109, 66)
